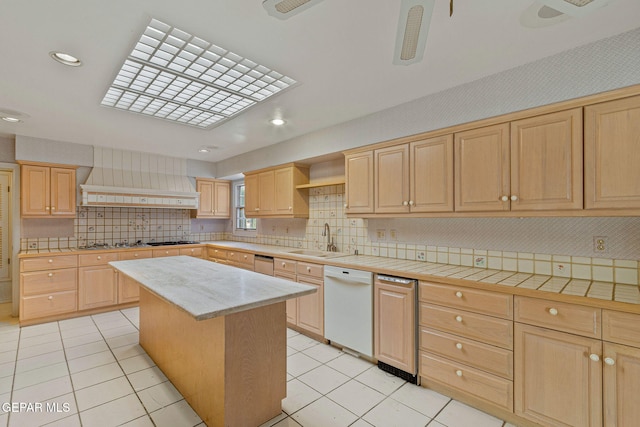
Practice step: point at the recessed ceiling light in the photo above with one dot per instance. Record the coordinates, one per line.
(66, 59)
(207, 149)
(173, 75)
(277, 122)
(11, 119)
(283, 9)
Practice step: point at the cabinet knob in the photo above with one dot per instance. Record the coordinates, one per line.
(594, 357)
(99, 257)
(504, 198)
(245, 257)
(284, 264)
(553, 311)
(459, 319)
(411, 203)
(459, 294)
(47, 208)
(609, 361)
(135, 255)
(459, 346)
(50, 274)
(405, 203)
(50, 261)
(256, 209)
(50, 297)
(514, 198)
(308, 269)
(346, 206)
(166, 252)
(193, 250)
(459, 373)
(290, 207)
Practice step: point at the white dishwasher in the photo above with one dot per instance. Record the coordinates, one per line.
(348, 308)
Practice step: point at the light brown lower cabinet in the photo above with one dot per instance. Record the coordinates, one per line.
(558, 377)
(310, 308)
(621, 381)
(97, 287)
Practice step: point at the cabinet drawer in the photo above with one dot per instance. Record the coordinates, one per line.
(476, 300)
(487, 329)
(481, 385)
(195, 252)
(309, 269)
(127, 255)
(575, 319)
(47, 263)
(622, 328)
(286, 265)
(240, 257)
(48, 305)
(42, 282)
(494, 360)
(157, 253)
(97, 259)
(286, 276)
(216, 253)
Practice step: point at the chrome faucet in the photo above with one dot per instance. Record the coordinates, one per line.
(331, 247)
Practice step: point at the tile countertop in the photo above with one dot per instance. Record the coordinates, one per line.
(601, 294)
(213, 289)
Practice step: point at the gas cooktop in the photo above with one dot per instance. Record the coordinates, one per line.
(180, 242)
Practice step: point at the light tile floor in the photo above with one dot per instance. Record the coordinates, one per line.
(90, 371)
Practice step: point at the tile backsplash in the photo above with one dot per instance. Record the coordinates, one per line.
(548, 246)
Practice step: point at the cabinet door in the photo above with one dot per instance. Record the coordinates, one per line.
(621, 385)
(251, 192)
(206, 190)
(222, 199)
(546, 162)
(556, 382)
(63, 192)
(35, 195)
(394, 325)
(612, 154)
(391, 174)
(283, 193)
(359, 183)
(292, 303)
(97, 287)
(311, 307)
(267, 193)
(431, 175)
(128, 289)
(482, 169)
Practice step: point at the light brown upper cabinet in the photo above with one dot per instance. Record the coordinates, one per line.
(359, 182)
(612, 154)
(47, 191)
(528, 165)
(272, 192)
(215, 198)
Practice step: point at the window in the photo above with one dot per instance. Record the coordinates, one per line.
(242, 223)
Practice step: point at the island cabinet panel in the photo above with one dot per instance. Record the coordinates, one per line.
(558, 377)
(612, 154)
(482, 169)
(234, 377)
(359, 180)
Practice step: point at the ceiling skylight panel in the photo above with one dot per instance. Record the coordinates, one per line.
(174, 75)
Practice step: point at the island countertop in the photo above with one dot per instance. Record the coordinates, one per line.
(206, 289)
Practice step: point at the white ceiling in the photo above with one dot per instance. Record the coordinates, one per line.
(340, 51)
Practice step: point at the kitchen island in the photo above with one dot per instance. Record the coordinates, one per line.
(218, 333)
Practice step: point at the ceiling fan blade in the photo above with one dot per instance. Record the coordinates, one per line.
(413, 28)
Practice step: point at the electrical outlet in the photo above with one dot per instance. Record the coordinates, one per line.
(382, 234)
(600, 244)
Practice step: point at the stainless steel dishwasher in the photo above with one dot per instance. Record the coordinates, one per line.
(348, 309)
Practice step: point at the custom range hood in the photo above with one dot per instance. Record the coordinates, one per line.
(133, 179)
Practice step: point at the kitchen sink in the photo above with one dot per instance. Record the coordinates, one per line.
(307, 252)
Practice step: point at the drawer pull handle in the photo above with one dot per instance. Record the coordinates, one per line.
(459, 373)
(50, 297)
(459, 319)
(459, 294)
(553, 311)
(594, 357)
(609, 361)
(50, 274)
(459, 346)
